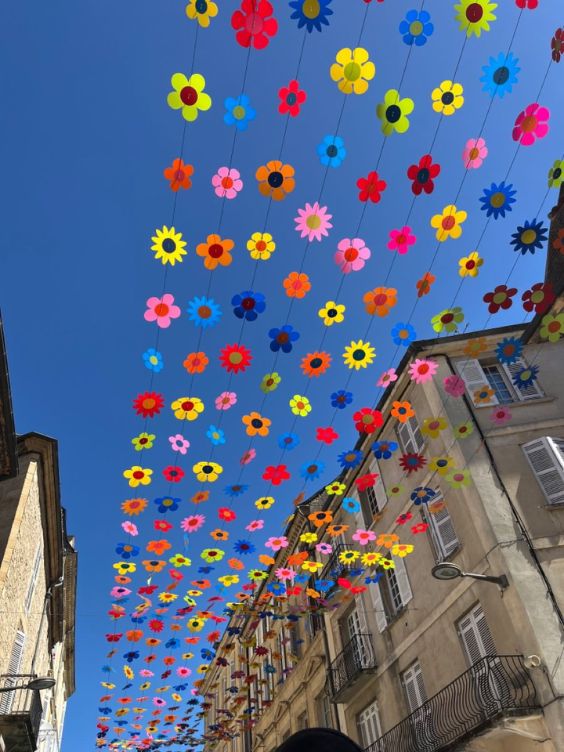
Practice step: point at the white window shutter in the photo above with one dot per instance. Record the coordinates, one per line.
(381, 495)
(524, 393)
(416, 436)
(475, 635)
(369, 725)
(414, 686)
(442, 530)
(471, 372)
(14, 668)
(378, 603)
(404, 437)
(361, 617)
(546, 458)
(403, 580)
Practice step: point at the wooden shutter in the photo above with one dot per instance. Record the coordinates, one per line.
(471, 372)
(475, 635)
(414, 686)
(546, 458)
(368, 723)
(14, 668)
(378, 603)
(402, 580)
(523, 393)
(442, 530)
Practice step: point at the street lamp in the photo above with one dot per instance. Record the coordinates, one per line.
(40, 682)
(446, 571)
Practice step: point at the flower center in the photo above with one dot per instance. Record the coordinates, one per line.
(529, 124)
(447, 97)
(311, 8)
(235, 358)
(470, 264)
(331, 313)
(149, 403)
(332, 151)
(351, 254)
(187, 406)
(474, 12)
(168, 245)
(497, 200)
(275, 179)
(201, 6)
(528, 237)
(554, 326)
(189, 96)
(352, 71)
(161, 309)
(393, 113)
(415, 28)
(282, 338)
(254, 23)
(248, 304)
(227, 182)
(215, 250)
(448, 222)
(313, 221)
(260, 245)
(138, 474)
(423, 175)
(256, 423)
(358, 354)
(447, 318)
(499, 297)
(239, 112)
(423, 368)
(537, 296)
(474, 153)
(556, 173)
(315, 363)
(291, 98)
(501, 75)
(380, 299)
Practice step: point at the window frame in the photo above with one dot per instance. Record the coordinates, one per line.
(415, 441)
(368, 720)
(553, 447)
(442, 552)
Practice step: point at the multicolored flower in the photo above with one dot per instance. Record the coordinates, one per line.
(203, 311)
(187, 408)
(189, 95)
(499, 298)
(261, 246)
(497, 199)
(254, 23)
(448, 224)
(423, 370)
(423, 174)
(137, 475)
(227, 182)
(161, 310)
(341, 399)
(275, 180)
(201, 11)
(469, 266)
(312, 15)
(283, 338)
(552, 327)
(401, 240)
(474, 153)
(474, 16)
(291, 99)
(332, 313)
(300, 405)
(168, 246)
(383, 450)
(447, 98)
(416, 27)
(207, 472)
(225, 400)
(296, 285)
(529, 237)
(313, 222)
(235, 358)
(538, 298)
(270, 382)
(448, 320)
(143, 441)
(248, 305)
(315, 364)
(216, 251)
(403, 334)
(371, 187)
(358, 354)
(179, 174)
(351, 255)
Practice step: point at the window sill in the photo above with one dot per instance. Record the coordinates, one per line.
(391, 620)
(517, 403)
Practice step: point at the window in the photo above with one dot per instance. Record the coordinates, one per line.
(391, 594)
(414, 687)
(546, 458)
(475, 635)
(368, 724)
(324, 710)
(14, 668)
(499, 377)
(33, 580)
(374, 499)
(441, 529)
(409, 436)
(302, 721)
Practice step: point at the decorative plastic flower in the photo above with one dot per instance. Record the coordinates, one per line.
(416, 27)
(335, 489)
(530, 4)
(350, 505)
(212, 554)
(364, 537)
(341, 399)
(248, 456)
(422, 370)
(248, 305)
(423, 174)
(447, 98)
(215, 251)
(499, 298)
(204, 312)
(254, 23)
(531, 123)
(148, 404)
(291, 99)
(469, 266)
(332, 313)
(288, 441)
(275, 180)
(179, 174)
(352, 70)
(358, 354)
(393, 112)
(256, 425)
(238, 112)
(225, 400)
(162, 310)
(315, 363)
(380, 300)
(366, 420)
(403, 334)
(557, 44)
(189, 95)
(371, 187)
(192, 523)
(283, 338)
(312, 470)
(227, 182)
(187, 408)
(312, 14)
(173, 474)
(134, 507)
(410, 462)
(297, 285)
(529, 237)
(201, 11)
(216, 435)
(270, 382)
(500, 415)
(402, 411)
(448, 320)
(387, 378)
(383, 450)
(454, 386)
(474, 153)
(432, 427)
(463, 430)
(509, 350)
(196, 362)
(500, 74)
(180, 561)
(276, 474)
(474, 16)
(153, 360)
(497, 199)
(137, 475)
(458, 478)
(448, 224)
(552, 327)
(351, 255)
(168, 246)
(207, 472)
(313, 222)
(483, 395)
(556, 174)
(525, 377)
(300, 405)
(351, 459)
(331, 151)
(423, 285)
(143, 441)
(539, 298)
(166, 504)
(401, 240)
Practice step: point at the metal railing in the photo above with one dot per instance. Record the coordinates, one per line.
(356, 657)
(19, 704)
(494, 686)
(334, 568)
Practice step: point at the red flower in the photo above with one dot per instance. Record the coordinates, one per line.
(147, 589)
(162, 525)
(327, 435)
(213, 636)
(557, 44)
(179, 174)
(291, 99)
(156, 625)
(296, 590)
(344, 583)
(371, 187)
(421, 527)
(224, 513)
(422, 175)
(358, 589)
(500, 298)
(403, 518)
(411, 462)
(530, 4)
(114, 637)
(173, 474)
(148, 404)
(175, 574)
(254, 25)
(235, 358)
(539, 298)
(276, 474)
(367, 420)
(116, 613)
(366, 481)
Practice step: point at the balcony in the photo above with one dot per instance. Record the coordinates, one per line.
(494, 688)
(20, 714)
(334, 568)
(351, 667)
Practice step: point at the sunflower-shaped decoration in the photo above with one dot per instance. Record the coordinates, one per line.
(168, 246)
(189, 95)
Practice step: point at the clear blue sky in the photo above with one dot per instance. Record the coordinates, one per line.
(86, 135)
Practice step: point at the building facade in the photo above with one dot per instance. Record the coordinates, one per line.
(37, 590)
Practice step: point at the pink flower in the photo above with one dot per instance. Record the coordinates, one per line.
(145, 672)
(324, 548)
(130, 527)
(277, 543)
(119, 592)
(531, 124)
(474, 153)
(285, 573)
(422, 371)
(500, 415)
(227, 182)
(351, 255)
(454, 386)
(184, 671)
(192, 523)
(249, 456)
(364, 536)
(178, 443)
(225, 400)
(159, 702)
(255, 525)
(162, 310)
(530, 4)
(388, 377)
(400, 240)
(313, 222)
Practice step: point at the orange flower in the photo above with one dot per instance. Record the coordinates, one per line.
(387, 539)
(200, 496)
(316, 363)
(266, 560)
(256, 424)
(424, 284)
(235, 564)
(334, 530)
(297, 284)
(196, 362)
(275, 180)
(134, 507)
(320, 518)
(154, 566)
(218, 534)
(297, 558)
(152, 642)
(134, 635)
(215, 251)
(380, 300)
(402, 411)
(158, 546)
(179, 174)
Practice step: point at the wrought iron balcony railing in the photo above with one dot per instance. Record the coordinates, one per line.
(495, 686)
(334, 568)
(20, 713)
(356, 658)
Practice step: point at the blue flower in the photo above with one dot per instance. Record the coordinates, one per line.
(288, 441)
(301, 577)
(500, 74)
(312, 470)
(383, 449)
(331, 151)
(276, 588)
(403, 334)
(235, 490)
(497, 199)
(239, 112)
(153, 360)
(351, 505)
(341, 399)
(416, 27)
(138, 619)
(216, 435)
(127, 551)
(324, 585)
(350, 459)
(373, 579)
(356, 571)
(207, 654)
(244, 547)
(166, 504)
(317, 14)
(172, 644)
(509, 350)
(248, 304)
(107, 669)
(526, 377)
(131, 656)
(204, 312)
(529, 237)
(268, 667)
(283, 338)
(421, 495)
(205, 569)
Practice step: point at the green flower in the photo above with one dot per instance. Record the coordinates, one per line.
(270, 382)
(556, 174)
(448, 320)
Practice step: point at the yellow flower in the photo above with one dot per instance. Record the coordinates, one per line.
(474, 16)
(187, 656)
(393, 112)
(202, 668)
(194, 593)
(312, 566)
(168, 246)
(358, 354)
(469, 266)
(346, 557)
(308, 537)
(335, 489)
(433, 426)
(207, 472)
(387, 564)
(195, 624)
(137, 475)
(108, 685)
(463, 430)
(189, 95)
(125, 567)
(167, 597)
(300, 405)
(402, 549)
(270, 382)
(448, 223)
(370, 558)
(441, 465)
(352, 70)
(265, 502)
(143, 441)
(331, 313)
(447, 98)
(128, 672)
(201, 11)
(261, 246)
(229, 579)
(187, 408)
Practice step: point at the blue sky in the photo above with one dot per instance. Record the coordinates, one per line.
(86, 135)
